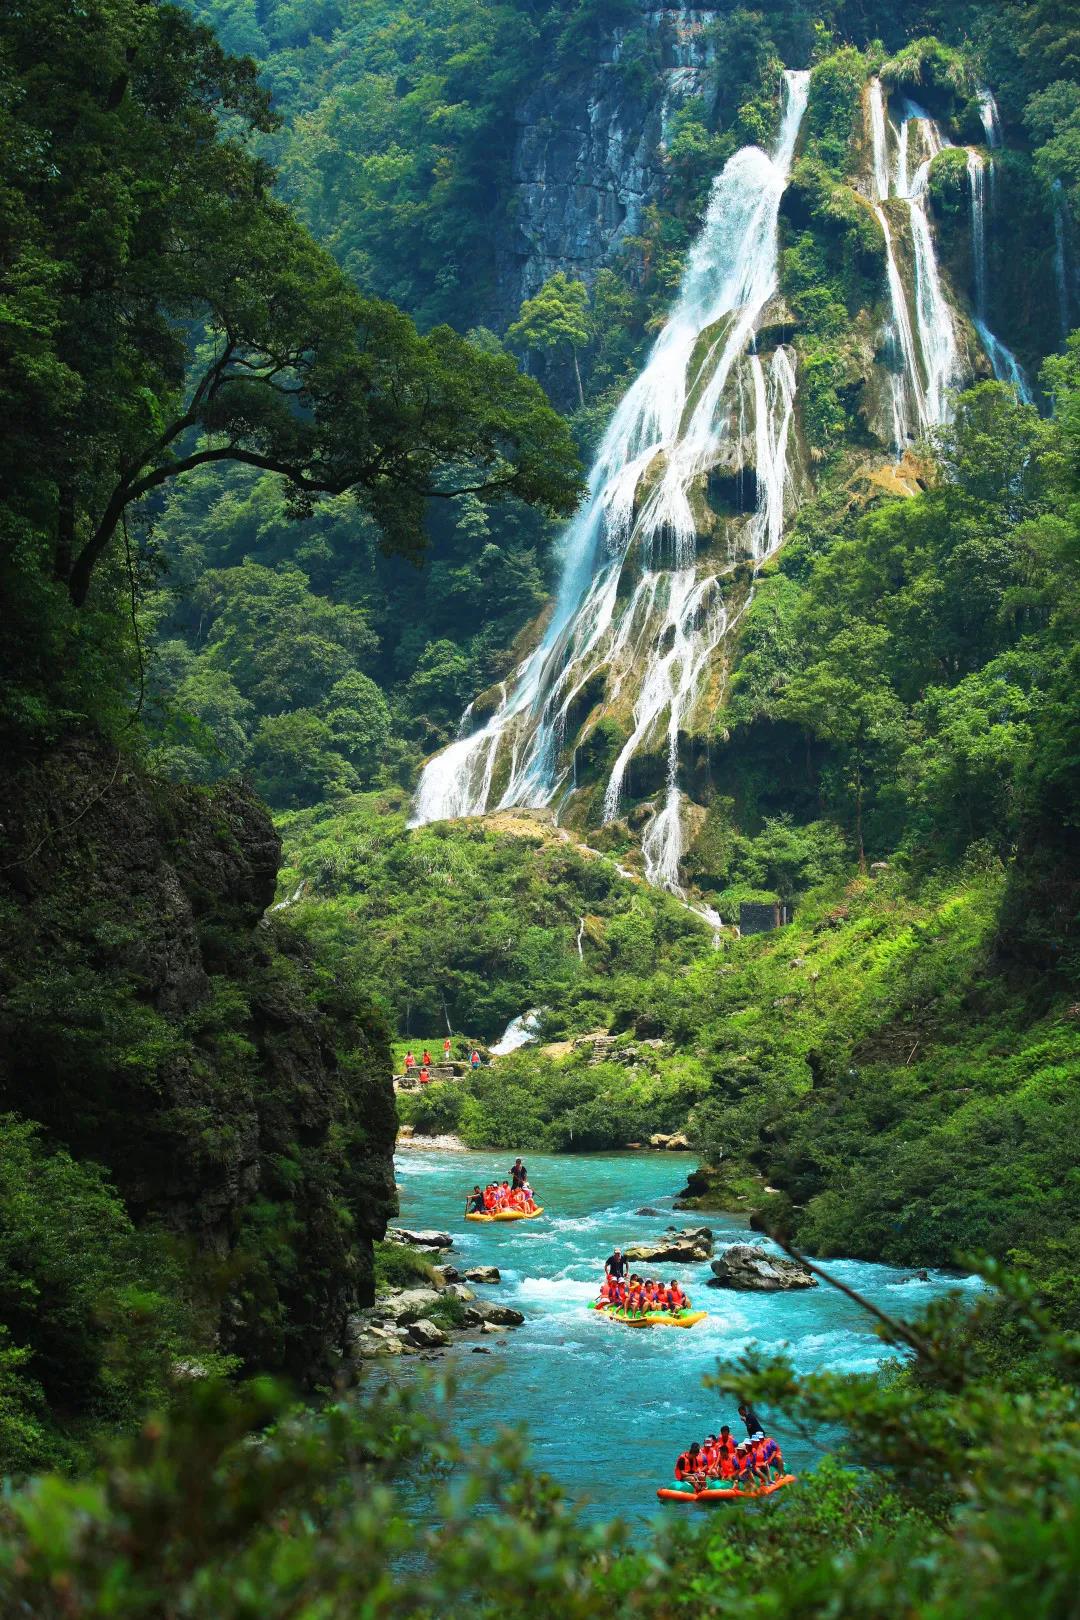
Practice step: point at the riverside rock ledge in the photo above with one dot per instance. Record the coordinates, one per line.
(751, 1269)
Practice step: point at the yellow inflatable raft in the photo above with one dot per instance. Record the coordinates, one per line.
(509, 1215)
(685, 1319)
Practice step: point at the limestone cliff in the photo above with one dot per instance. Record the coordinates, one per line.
(588, 154)
(154, 1019)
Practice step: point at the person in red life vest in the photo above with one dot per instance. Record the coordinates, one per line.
(410, 1062)
(676, 1300)
(709, 1460)
(635, 1299)
(426, 1060)
(446, 1050)
(727, 1463)
(489, 1197)
(770, 1459)
(725, 1443)
(425, 1074)
(605, 1291)
(474, 1059)
(688, 1469)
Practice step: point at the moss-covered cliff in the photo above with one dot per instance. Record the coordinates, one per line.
(154, 1020)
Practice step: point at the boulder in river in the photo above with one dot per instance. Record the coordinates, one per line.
(366, 1340)
(427, 1335)
(483, 1274)
(751, 1269)
(407, 1306)
(691, 1245)
(647, 1210)
(499, 1315)
(419, 1240)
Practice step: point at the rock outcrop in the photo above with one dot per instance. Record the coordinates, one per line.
(588, 156)
(155, 1019)
(692, 1245)
(424, 1239)
(754, 1270)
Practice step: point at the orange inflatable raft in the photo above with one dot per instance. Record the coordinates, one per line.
(725, 1494)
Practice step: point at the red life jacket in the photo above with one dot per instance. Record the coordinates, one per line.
(685, 1465)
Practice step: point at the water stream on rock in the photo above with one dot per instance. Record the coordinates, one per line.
(608, 1408)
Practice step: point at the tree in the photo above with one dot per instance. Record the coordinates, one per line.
(557, 316)
(135, 214)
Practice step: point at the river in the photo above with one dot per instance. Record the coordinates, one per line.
(608, 1408)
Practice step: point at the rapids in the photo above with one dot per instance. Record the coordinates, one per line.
(608, 1408)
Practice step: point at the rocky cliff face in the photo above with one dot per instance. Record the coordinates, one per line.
(588, 155)
(154, 1019)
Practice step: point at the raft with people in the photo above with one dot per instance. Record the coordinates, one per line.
(723, 1469)
(645, 1301)
(509, 1200)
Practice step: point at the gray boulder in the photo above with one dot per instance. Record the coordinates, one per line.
(689, 1246)
(646, 1210)
(408, 1306)
(459, 1291)
(483, 1274)
(751, 1269)
(499, 1315)
(427, 1335)
(365, 1340)
(447, 1274)
(419, 1240)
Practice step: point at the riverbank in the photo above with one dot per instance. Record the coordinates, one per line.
(447, 1143)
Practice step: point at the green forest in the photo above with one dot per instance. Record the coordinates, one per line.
(323, 327)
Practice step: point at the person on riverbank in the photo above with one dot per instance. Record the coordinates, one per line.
(426, 1060)
(410, 1062)
(446, 1050)
(474, 1059)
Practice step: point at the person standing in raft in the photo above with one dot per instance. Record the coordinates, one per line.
(474, 1204)
(616, 1266)
(753, 1423)
(518, 1175)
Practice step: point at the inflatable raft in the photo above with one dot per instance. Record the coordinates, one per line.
(725, 1494)
(685, 1319)
(509, 1215)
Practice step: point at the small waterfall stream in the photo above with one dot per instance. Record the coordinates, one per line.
(1006, 366)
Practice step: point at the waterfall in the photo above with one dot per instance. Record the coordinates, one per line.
(976, 171)
(1006, 366)
(905, 382)
(991, 120)
(692, 403)
(937, 333)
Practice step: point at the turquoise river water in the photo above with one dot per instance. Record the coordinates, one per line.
(608, 1408)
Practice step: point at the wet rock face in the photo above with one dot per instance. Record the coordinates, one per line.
(154, 1019)
(754, 1270)
(588, 157)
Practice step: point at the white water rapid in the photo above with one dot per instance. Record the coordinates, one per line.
(636, 608)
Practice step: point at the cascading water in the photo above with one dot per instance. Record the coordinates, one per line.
(692, 402)
(905, 381)
(991, 119)
(1007, 367)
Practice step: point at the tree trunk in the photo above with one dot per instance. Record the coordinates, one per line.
(858, 820)
(577, 374)
(65, 533)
